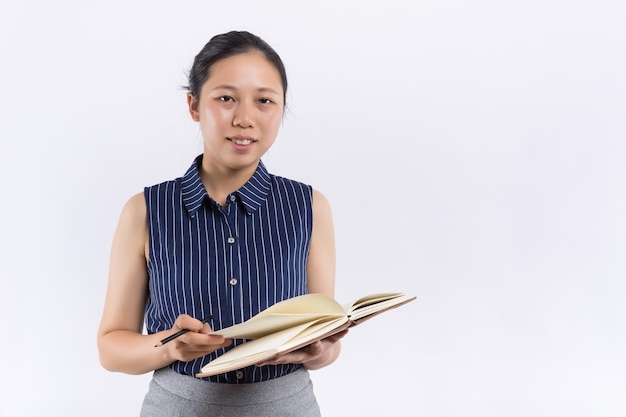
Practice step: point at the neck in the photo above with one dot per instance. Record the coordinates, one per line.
(220, 181)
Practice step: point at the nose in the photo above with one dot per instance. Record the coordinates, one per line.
(244, 116)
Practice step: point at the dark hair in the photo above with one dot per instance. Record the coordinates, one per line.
(227, 45)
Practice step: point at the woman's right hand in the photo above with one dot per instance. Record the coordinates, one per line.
(197, 342)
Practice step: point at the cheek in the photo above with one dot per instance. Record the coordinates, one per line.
(214, 117)
(273, 120)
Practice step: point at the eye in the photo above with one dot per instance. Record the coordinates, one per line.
(225, 98)
(265, 100)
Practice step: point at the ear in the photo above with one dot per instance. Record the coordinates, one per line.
(192, 103)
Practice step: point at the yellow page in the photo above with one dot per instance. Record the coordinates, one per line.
(369, 309)
(287, 313)
(312, 333)
(268, 324)
(253, 351)
(305, 304)
(370, 299)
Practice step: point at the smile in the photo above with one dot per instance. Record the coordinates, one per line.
(241, 141)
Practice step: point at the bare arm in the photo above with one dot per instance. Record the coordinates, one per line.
(320, 266)
(121, 344)
(321, 279)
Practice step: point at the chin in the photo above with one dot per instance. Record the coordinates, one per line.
(243, 163)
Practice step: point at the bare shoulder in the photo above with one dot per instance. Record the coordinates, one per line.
(134, 216)
(132, 228)
(321, 205)
(135, 207)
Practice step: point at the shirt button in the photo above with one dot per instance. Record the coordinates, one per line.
(232, 197)
(233, 281)
(239, 375)
(231, 240)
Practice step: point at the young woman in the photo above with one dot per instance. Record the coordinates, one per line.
(227, 239)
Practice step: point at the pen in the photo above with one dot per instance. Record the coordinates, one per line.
(180, 333)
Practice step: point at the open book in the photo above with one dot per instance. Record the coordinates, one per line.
(294, 323)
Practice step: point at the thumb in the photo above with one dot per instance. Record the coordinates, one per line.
(185, 321)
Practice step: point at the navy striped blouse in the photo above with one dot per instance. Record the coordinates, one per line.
(229, 262)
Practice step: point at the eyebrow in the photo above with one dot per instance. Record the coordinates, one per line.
(233, 88)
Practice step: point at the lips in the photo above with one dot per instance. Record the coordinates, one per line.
(241, 140)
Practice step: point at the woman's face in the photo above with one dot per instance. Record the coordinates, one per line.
(239, 109)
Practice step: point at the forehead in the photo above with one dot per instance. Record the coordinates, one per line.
(248, 69)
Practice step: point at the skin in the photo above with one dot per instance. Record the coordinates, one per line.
(242, 100)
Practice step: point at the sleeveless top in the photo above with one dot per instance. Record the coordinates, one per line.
(229, 262)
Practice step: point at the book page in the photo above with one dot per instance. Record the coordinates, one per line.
(367, 309)
(285, 314)
(369, 300)
(253, 348)
(268, 324)
(316, 331)
(267, 347)
(305, 304)
(296, 329)
(213, 368)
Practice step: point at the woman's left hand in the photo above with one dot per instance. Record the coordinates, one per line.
(314, 356)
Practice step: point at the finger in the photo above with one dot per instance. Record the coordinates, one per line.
(312, 349)
(205, 349)
(202, 339)
(185, 321)
(187, 351)
(193, 352)
(206, 329)
(283, 359)
(297, 356)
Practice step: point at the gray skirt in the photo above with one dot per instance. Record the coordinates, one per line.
(172, 394)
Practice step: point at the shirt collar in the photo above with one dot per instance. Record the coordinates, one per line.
(253, 193)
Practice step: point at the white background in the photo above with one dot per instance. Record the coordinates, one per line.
(473, 153)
